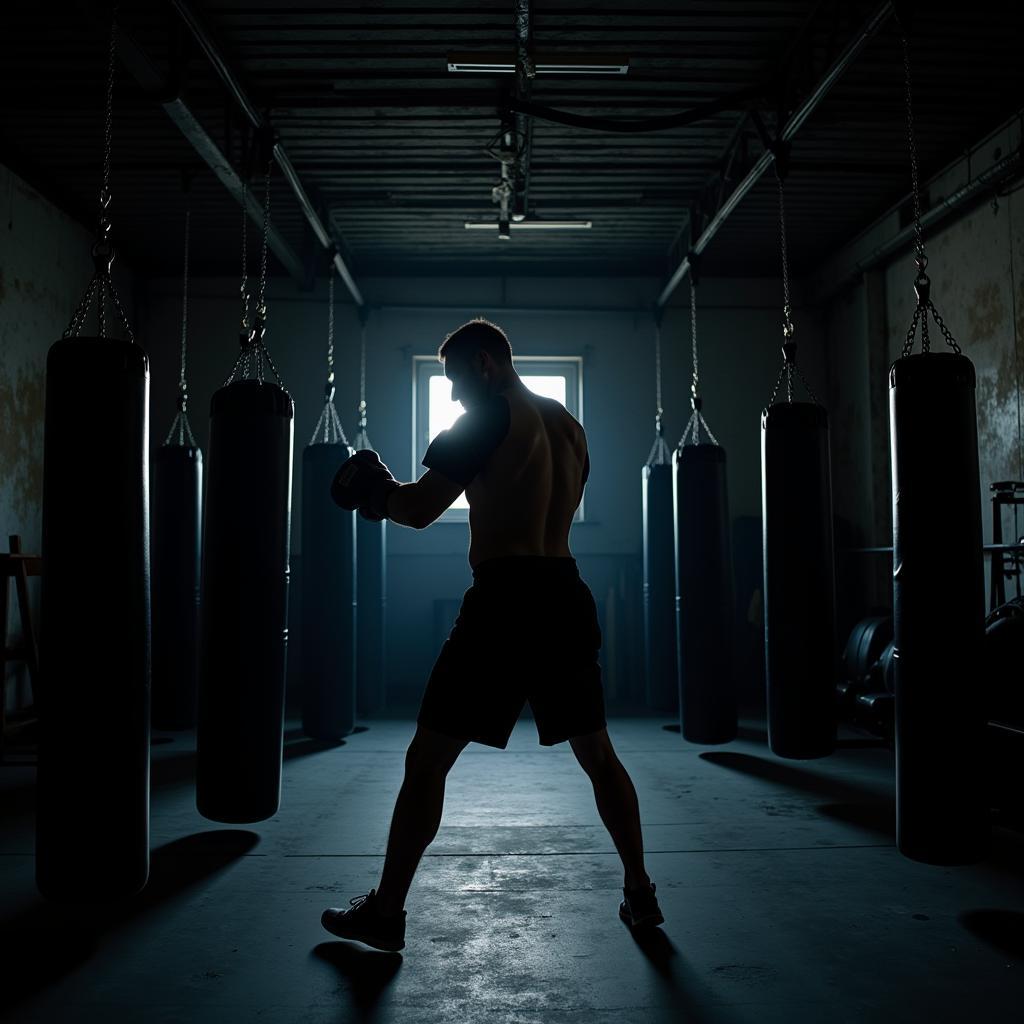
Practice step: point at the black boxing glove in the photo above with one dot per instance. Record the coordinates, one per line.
(363, 482)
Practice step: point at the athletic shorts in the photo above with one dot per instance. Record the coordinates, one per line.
(527, 631)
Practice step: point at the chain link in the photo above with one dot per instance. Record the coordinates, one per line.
(362, 437)
(922, 283)
(659, 411)
(788, 330)
(182, 387)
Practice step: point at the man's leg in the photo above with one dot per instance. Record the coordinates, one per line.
(616, 801)
(417, 813)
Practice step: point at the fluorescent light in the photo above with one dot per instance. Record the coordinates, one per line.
(534, 225)
(544, 64)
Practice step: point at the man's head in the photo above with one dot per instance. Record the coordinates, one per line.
(477, 360)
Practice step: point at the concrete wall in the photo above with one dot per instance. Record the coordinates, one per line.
(45, 266)
(606, 321)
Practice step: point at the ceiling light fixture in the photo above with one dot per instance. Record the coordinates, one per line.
(535, 225)
(544, 64)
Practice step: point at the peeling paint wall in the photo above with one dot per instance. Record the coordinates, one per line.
(45, 266)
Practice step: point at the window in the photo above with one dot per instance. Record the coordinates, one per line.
(557, 377)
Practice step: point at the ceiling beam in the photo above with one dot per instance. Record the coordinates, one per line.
(220, 66)
(792, 125)
(141, 68)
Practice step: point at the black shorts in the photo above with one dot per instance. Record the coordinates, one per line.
(527, 631)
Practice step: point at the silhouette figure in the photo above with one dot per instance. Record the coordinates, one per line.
(527, 629)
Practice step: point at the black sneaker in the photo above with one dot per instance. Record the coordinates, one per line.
(364, 924)
(640, 908)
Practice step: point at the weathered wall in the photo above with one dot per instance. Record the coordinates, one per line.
(976, 265)
(45, 266)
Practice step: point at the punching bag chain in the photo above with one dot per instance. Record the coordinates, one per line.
(253, 347)
(691, 435)
(659, 453)
(101, 287)
(790, 368)
(362, 438)
(181, 426)
(922, 283)
(328, 429)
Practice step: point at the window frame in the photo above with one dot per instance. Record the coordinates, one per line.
(426, 366)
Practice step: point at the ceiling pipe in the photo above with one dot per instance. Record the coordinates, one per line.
(203, 38)
(791, 127)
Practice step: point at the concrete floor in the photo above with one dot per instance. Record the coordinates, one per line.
(784, 897)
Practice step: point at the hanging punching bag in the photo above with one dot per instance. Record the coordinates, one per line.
(939, 610)
(244, 605)
(938, 585)
(371, 613)
(177, 536)
(93, 699)
(662, 690)
(92, 817)
(328, 641)
(799, 580)
(707, 699)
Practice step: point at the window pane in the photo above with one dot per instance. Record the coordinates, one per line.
(442, 412)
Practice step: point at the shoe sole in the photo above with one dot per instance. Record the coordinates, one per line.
(368, 940)
(648, 921)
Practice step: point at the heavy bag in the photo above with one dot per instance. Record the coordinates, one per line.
(177, 545)
(799, 581)
(659, 590)
(92, 790)
(244, 603)
(704, 604)
(328, 638)
(371, 612)
(938, 610)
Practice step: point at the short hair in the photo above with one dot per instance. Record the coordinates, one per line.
(475, 336)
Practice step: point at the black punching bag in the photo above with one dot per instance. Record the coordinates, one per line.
(707, 698)
(659, 593)
(244, 603)
(371, 611)
(799, 580)
(92, 816)
(177, 536)
(328, 640)
(939, 610)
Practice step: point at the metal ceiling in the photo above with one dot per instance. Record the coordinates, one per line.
(391, 147)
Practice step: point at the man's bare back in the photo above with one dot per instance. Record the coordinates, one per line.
(522, 502)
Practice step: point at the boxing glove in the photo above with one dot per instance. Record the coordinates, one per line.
(364, 482)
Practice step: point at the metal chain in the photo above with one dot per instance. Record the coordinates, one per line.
(101, 286)
(243, 289)
(261, 302)
(182, 387)
(788, 329)
(658, 410)
(695, 398)
(362, 438)
(922, 283)
(330, 337)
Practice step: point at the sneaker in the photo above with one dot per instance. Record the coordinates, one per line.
(364, 924)
(640, 908)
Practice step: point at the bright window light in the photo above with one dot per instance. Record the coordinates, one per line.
(442, 412)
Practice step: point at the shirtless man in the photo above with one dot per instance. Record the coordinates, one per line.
(527, 628)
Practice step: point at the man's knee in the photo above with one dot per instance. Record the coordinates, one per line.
(595, 753)
(432, 753)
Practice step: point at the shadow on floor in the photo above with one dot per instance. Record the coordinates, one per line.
(1001, 929)
(45, 941)
(367, 971)
(682, 988)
